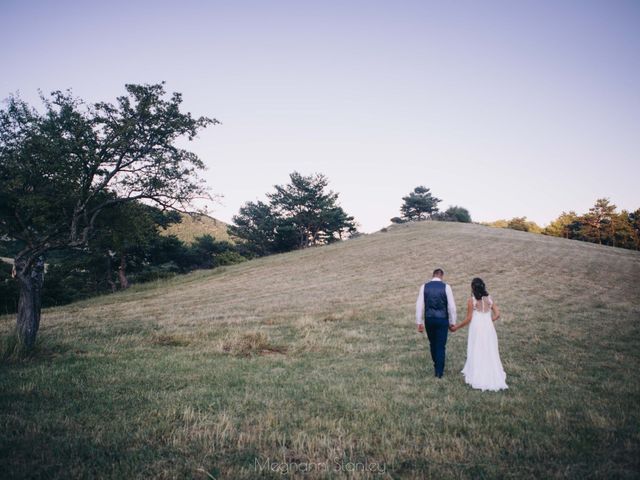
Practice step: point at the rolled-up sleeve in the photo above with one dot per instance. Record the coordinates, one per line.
(451, 306)
(420, 307)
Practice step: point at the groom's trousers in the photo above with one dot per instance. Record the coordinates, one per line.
(437, 332)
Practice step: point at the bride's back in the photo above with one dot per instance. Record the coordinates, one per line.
(483, 305)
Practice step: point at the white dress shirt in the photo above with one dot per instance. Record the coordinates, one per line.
(451, 304)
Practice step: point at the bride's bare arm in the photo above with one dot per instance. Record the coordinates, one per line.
(496, 312)
(467, 319)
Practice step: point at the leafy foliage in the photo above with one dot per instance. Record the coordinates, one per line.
(601, 224)
(257, 224)
(299, 214)
(453, 214)
(517, 223)
(63, 168)
(78, 273)
(566, 225)
(524, 225)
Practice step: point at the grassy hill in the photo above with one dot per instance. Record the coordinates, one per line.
(195, 226)
(310, 360)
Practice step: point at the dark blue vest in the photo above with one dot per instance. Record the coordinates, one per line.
(435, 301)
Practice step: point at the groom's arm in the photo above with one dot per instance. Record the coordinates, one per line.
(451, 306)
(420, 309)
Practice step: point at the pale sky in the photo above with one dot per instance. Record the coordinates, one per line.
(507, 108)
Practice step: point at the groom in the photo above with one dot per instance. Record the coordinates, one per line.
(438, 317)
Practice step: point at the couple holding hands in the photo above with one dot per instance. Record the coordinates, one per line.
(436, 313)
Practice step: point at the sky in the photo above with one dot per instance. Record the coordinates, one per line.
(507, 108)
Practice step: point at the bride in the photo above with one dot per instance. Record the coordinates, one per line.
(483, 368)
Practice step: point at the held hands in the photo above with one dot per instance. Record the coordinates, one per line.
(452, 328)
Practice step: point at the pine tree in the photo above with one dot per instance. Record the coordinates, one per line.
(419, 204)
(598, 222)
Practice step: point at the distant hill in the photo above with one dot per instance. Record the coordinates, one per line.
(192, 227)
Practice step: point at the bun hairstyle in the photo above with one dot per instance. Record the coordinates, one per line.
(478, 288)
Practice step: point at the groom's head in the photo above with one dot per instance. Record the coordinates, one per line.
(438, 272)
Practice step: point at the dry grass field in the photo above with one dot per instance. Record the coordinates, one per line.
(308, 365)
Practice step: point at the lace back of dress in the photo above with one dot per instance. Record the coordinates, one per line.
(480, 307)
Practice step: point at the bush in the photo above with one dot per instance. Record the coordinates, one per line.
(156, 272)
(524, 225)
(229, 257)
(454, 214)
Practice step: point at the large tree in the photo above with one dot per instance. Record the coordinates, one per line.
(419, 204)
(598, 222)
(311, 209)
(62, 167)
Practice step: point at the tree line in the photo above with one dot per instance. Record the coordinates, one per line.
(127, 247)
(602, 224)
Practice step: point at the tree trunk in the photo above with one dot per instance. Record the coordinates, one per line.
(110, 281)
(30, 280)
(122, 272)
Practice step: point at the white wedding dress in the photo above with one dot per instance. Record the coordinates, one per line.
(483, 368)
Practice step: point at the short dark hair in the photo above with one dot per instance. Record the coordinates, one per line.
(438, 271)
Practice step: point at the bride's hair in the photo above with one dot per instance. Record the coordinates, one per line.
(478, 288)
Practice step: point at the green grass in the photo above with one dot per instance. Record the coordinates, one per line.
(311, 359)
